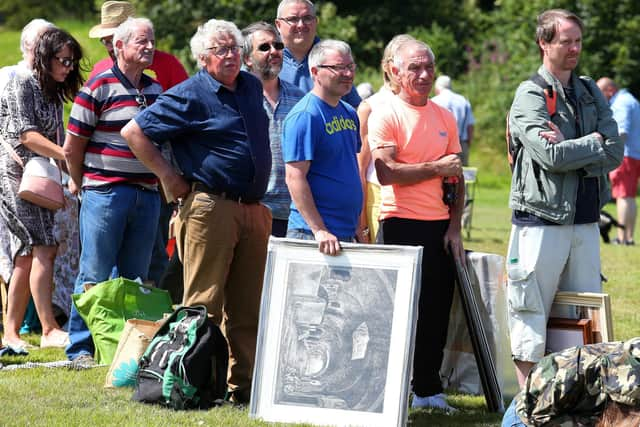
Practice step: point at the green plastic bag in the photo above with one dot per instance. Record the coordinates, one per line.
(108, 305)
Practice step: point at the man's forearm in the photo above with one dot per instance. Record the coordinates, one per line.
(458, 207)
(303, 200)
(391, 172)
(74, 150)
(146, 151)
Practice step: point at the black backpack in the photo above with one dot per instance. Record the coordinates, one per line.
(185, 365)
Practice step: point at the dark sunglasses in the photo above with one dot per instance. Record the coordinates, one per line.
(142, 101)
(265, 47)
(66, 62)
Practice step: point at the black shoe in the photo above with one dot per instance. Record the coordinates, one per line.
(239, 397)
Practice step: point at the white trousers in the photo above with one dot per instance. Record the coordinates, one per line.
(550, 259)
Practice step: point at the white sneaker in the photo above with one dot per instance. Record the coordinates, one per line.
(437, 401)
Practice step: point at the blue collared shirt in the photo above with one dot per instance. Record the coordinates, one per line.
(460, 107)
(626, 113)
(297, 73)
(219, 137)
(277, 197)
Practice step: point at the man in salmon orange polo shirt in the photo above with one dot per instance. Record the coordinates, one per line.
(415, 148)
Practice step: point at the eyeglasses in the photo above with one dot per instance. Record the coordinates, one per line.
(339, 68)
(265, 47)
(66, 62)
(106, 41)
(142, 101)
(222, 51)
(293, 20)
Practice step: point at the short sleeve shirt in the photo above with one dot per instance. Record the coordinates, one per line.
(418, 134)
(329, 138)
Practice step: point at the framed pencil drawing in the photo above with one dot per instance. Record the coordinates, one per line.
(335, 341)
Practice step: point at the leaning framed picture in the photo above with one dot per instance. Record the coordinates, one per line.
(566, 333)
(594, 306)
(335, 342)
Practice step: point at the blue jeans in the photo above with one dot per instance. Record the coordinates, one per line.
(118, 225)
(159, 257)
(511, 418)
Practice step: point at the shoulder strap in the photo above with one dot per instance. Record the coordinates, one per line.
(549, 95)
(12, 152)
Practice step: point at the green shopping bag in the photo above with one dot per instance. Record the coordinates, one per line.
(108, 305)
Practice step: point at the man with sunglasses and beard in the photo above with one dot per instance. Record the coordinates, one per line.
(262, 56)
(120, 199)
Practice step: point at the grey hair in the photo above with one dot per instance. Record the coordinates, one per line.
(201, 40)
(125, 30)
(30, 35)
(397, 59)
(319, 51)
(387, 57)
(285, 3)
(443, 82)
(248, 32)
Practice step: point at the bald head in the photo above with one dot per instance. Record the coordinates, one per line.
(608, 87)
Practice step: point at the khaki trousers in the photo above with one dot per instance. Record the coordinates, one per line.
(223, 246)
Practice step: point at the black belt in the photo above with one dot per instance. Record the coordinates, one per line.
(198, 186)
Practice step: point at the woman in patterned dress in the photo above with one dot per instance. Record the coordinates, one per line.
(31, 122)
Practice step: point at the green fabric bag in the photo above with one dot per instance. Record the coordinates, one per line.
(108, 305)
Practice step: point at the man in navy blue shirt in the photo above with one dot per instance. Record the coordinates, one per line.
(219, 135)
(297, 23)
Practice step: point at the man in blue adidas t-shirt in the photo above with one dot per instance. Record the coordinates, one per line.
(319, 144)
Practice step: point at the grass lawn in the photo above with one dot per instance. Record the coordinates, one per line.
(60, 397)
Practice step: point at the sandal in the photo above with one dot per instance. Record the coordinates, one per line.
(19, 344)
(58, 338)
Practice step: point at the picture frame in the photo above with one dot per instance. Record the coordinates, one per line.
(594, 306)
(566, 333)
(336, 334)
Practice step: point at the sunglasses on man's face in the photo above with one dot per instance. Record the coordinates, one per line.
(265, 47)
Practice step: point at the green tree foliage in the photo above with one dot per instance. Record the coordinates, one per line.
(175, 22)
(444, 24)
(487, 46)
(16, 13)
(504, 53)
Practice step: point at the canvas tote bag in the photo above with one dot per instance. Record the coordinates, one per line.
(135, 339)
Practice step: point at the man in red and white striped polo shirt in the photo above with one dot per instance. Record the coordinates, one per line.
(120, 200)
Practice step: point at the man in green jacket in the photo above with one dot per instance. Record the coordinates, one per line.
(558, 187)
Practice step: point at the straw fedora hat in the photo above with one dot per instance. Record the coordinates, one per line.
(112, 14)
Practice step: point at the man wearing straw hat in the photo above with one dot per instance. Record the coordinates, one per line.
(168, 71)
(166, 68)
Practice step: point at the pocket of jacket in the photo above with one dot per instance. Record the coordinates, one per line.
(523, 293)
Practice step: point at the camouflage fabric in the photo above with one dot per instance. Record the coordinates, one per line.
(569, 388)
